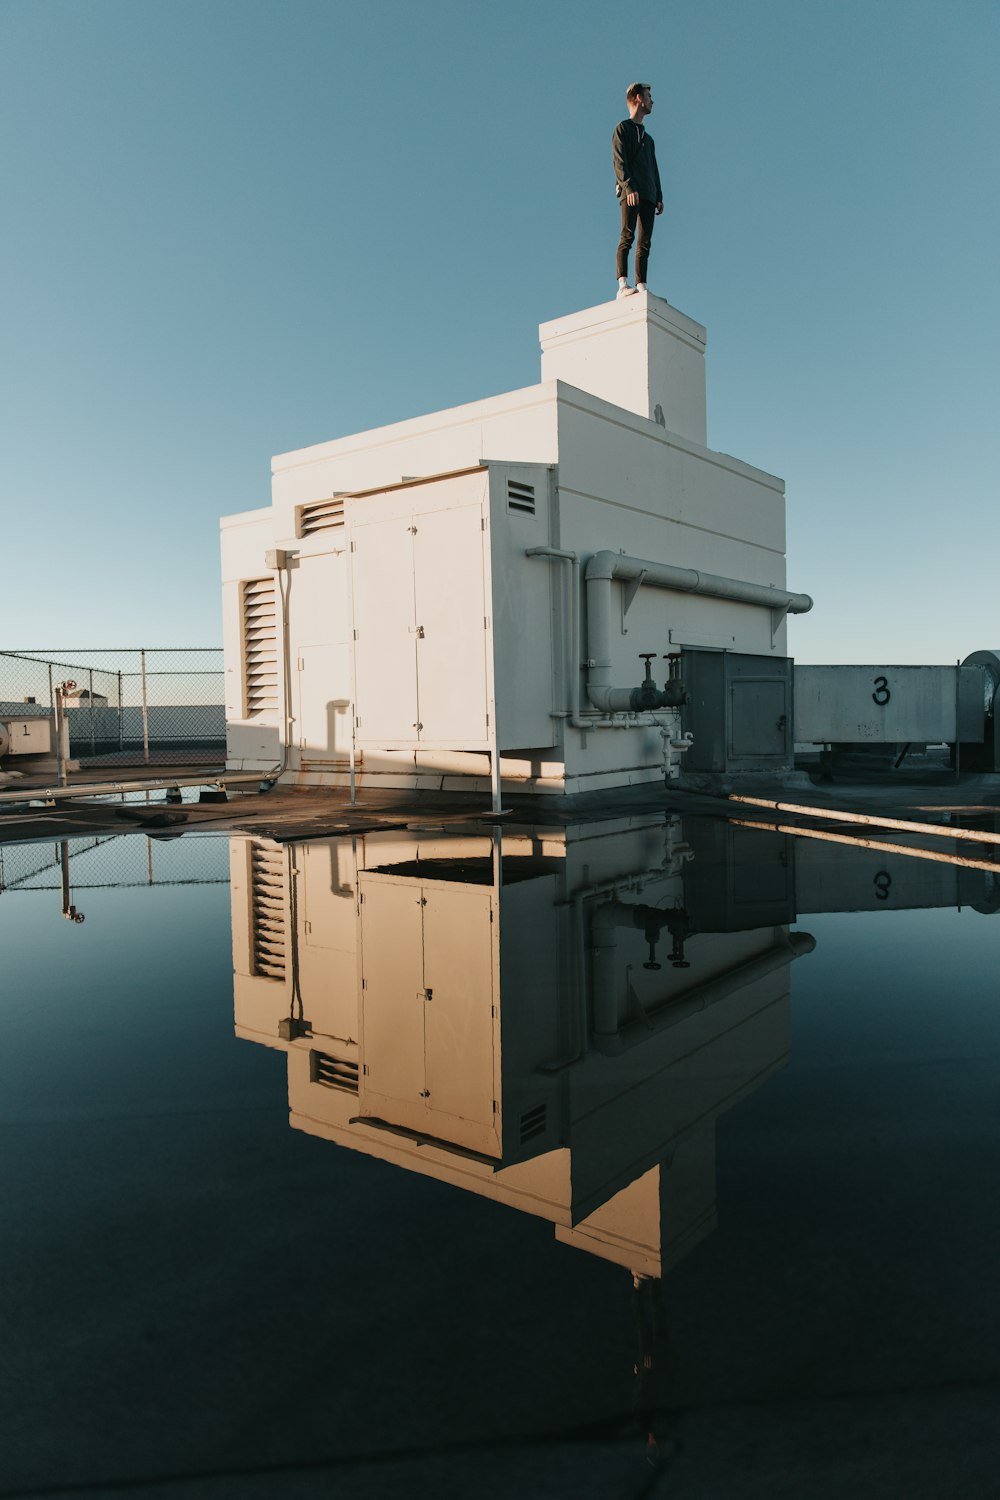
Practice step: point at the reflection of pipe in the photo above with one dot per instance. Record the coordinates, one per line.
(670, 1012)
(604, 567)
(829, 814)
(69, 911)
(650, 920)
(860, 843)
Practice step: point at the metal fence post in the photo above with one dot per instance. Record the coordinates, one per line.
(93, 737)
(145, 710)
(121, 712)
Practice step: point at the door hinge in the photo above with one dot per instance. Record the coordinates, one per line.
(300, 663)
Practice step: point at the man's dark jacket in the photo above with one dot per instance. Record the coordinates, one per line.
(635, 162)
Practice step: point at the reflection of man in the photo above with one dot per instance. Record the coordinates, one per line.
(637, 183)
(649, 1389)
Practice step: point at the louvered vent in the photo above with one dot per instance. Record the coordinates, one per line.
(267, 910)
(260, 646)
(521, 497)
(533, 1123)
(321, 515)
(334, 1072)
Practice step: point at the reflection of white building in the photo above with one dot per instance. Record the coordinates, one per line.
(553, 1019)
(513, 1016)
(468, 594)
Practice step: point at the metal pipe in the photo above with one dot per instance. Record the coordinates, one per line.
(110, 788)
(870, 820)
(59, 715)
(670, 1011)
(826, 836)
(574, 628)
(606, 567)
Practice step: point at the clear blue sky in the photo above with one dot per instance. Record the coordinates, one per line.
(235, 227)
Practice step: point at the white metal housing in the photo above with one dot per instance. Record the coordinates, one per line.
(384, 614)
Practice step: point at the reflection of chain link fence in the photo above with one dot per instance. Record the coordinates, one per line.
(127, 707)
(116, 860)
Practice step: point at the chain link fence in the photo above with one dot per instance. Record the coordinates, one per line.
(128, 707)
(114, 860)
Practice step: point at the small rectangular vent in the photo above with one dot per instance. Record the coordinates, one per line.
(533, 1123)
(267, 909)
(334, 1072)
(260, 646)
(321, 515)
(521, 497)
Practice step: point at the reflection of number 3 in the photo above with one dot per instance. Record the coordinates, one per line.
(881, 694)
(883, 883)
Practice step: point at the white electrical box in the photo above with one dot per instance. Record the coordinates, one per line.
(25, 737)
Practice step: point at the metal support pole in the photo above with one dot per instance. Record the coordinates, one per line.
(145, 710)
(121, 725)
(90, 683)
(59, 723)
(958, 719)
(495, 777)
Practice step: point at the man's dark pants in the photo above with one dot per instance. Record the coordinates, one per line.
(645, 212)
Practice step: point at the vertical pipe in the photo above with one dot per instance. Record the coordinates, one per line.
(93, 746)
(495, 775)
(67, 908)
(145, 709)
(60, 721)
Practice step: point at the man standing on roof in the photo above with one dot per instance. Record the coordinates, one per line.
(637, 181)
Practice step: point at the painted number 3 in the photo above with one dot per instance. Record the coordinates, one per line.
(881, 694)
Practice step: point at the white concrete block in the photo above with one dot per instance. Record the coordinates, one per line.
(640, 353)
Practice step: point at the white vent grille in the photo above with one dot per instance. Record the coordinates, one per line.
(321, 515)
(521, 497)
(334, 1072)
(267, 910)
(260, 646)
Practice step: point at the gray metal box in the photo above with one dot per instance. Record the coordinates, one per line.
(739, 711)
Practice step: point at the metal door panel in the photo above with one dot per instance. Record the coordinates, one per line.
(453, 692)
(323, 703)
(385, 643)
(458, 1024)
(392, 1006)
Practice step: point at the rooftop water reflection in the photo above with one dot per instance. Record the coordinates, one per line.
(748, 1079)
(552, 1019)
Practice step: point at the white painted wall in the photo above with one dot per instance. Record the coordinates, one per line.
(640, 353)
(613, 478)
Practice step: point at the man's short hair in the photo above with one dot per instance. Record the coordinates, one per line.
(635, 91)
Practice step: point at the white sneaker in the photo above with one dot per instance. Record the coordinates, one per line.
(641, 286)
(625, 291)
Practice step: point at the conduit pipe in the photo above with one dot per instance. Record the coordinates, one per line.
(668, 1012)
(573, 632)
(606, 567)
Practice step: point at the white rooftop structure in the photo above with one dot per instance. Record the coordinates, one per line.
(464, 598)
